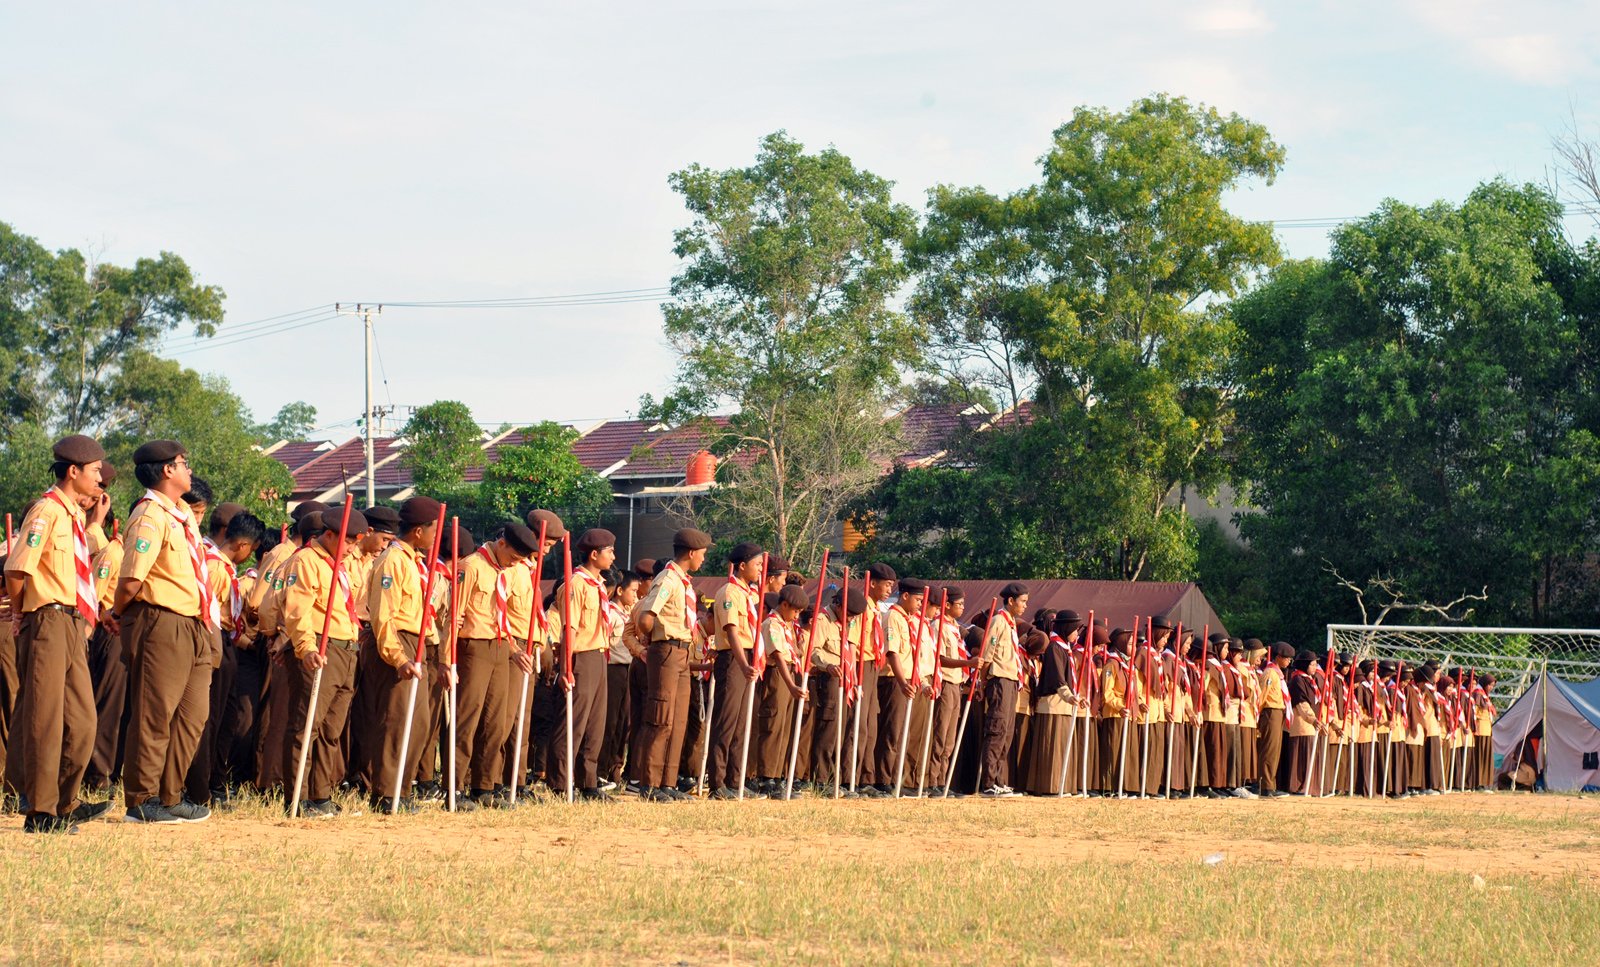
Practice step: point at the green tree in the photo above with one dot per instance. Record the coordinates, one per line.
(542, 471)
(442, 444)
(1421, 409)
(782, 310)
(294, 421)
(1096, 293)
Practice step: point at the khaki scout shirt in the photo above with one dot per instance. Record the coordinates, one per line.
(589, 616)
(1000, 655)
(394, 602)
(107, 568)
(157, 554)
(825, 652)
(671, 599)
(271, 574)
(479, 575)
(305, 602)
(44, 554)
(735, 605)
(780, 637)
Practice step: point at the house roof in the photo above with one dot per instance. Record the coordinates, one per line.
(929, 429)
(611, 443)
(666, 453)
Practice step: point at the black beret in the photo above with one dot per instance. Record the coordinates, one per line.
(857, 600)
(793, 595)
(1015, 589)
(1346, 657)
(744, 552)
(1304, 655)
(913, 585)
(1160, 621)
(769, 601)
(309, 525)
(383, 519)
(1387, 667)
(554, 530)
(881, 572)
(952, 593)
(689, 539)
(159, 451)
(78, 449)
(305, 507)
(777, 565)
(1282, 649)
(1068, 619)
(356, 526)
(521, 539)
(419, 512)
(594, 539)
(1218, 638)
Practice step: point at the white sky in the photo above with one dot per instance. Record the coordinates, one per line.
(304, 154)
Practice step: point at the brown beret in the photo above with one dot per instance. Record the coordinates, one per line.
(554, 530)
(108, 475)
(777, 565)
(882, 572)
(159, 451)
(383, 519)
(593, 539)
(1015, 589)
(354, 528)
(224, 512)
(521, 539)
(645, 567)
(744, 552)
(465, 543)
(689, 539)
(309, 525)
(793, 595)
(419, 512)
(305, 507)
(857, 600)
(913, 586)
(78, 449)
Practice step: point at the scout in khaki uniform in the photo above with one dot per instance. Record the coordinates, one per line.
(1305, 701)
(637, 644)
(50, 583)
(168, 619)
(1365, 732)
(312, 574)
(778, 692)
(896, 689)
(272, 729)
(1483, 715)
(234, 535)
(590, 639)
(536, 728)
(1001, 666)
(735, 613)
(383, 529)
(1114, 690)
(1219, 700)
(389, 661)
(107, 671)
(1274, 690)
(826, 684)
(954, 665)
(622, 588)
(496, 599)
(871, 659)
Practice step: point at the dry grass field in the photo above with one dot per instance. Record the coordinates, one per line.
(1457, 879)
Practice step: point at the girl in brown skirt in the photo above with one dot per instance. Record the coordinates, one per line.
(1249, 710)
(1054, 719)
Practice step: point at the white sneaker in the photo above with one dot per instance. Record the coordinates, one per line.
(994, 792)
(1243, 793)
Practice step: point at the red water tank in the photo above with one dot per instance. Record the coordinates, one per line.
(702, 469)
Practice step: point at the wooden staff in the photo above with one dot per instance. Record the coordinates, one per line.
(1317, 742)
(1149, 670)
(838, 710)
(1172, 708)
(861, 674)
(566, 647)
(1089, 685)
(527, 677)
(711, 705)
(456, 597)
(934, 687)
(916, 686)
(1072, 726)
(322, 650)
(758, 658)
(1128, 689)
(972, 693)
(1199, 708)
(805, 677)
(400, 776)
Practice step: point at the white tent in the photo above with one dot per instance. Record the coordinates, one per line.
(1570, 751)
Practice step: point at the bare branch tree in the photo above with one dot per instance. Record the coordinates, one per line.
(1394, 598)
(1579, 157)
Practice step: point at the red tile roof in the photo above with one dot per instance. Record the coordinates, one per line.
(666, 453)
(930, 429)
(612, 441)
(297, 453)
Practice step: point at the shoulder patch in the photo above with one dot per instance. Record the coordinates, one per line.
(290, 583)
(33, 539)
(141, 545)
(104, 571)
(388, 582)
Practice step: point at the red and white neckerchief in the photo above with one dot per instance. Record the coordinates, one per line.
(191, 535)
(88, 604)
(342, 575)
(1288, 706)
(1225, 691)
(500, 604)
(235, 603)
(599, 589)
(1010, 628)
(690, 615)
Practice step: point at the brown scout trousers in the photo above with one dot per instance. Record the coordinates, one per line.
(324, 763)
(614, 746)
(588, 725)
(389, 694)
(109, 675)
(893, 707)
(999, 726)
(774, 725)
(1216, 739)
(9, 682)
(946, 714)
(867, 749)
(727, 725)
(827, 694)
(638, 689)
(483, 707)
(56, 713)
(1269, 747)
(169, 696)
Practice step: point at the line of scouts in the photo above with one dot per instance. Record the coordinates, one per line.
(152, 658)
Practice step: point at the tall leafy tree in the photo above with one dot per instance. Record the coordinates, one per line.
(442, 443)
(542, 471)
(1095, 292)
(783, 308)
(294, 421)
(1421, 409)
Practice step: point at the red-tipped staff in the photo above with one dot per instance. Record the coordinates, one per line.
(868, 616)
(845, 657)
(566, 647)
(758, 655)
(456, 598)
(322, 650)
(935, 687)
(805, 677)
(1149, 695)
(916, 689)
(711, 708)
(400, 776)
(1087, 695)
(8, 536)
(535, 620)
(1172, 707)
(1072, 722)
(1129, 696)
(972, 693)
(1318, 742)
(1198, 700)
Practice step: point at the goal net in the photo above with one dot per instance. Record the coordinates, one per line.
(1514, 656)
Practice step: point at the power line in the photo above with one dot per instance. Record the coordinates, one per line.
(226, 331)
(221, 343)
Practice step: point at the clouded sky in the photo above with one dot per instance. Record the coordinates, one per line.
(300, 155)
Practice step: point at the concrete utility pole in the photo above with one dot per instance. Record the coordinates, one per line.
(366, 313)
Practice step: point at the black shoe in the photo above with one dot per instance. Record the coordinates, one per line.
(724, 794)
(88, 811)
(464, 804)
(431, 791)
(654, 795)
(387, 807)
(1210, 793)
(633, 788)
(46, 823)
(870, 792)
(151, 811)
(595, 795)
